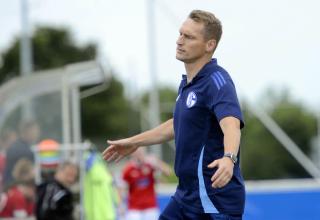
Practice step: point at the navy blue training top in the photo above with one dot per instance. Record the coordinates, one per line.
(200, 105)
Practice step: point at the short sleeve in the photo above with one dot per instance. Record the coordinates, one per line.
(224, 98)
(125, 174)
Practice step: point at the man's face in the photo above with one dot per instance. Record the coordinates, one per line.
(191, 44)
(33, 134)
(70, 174)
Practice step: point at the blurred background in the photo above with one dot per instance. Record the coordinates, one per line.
(90, 71)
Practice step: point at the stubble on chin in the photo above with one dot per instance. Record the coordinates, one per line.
(179, 58)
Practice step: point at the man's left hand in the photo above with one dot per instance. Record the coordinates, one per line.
(224, 172)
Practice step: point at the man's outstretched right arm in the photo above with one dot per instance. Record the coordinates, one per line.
(121, 148)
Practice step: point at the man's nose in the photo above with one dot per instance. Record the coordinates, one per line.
(179, 40)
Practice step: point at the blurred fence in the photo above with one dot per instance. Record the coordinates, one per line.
(54, 97)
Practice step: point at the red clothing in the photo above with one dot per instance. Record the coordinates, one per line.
(141, 183)
(14, 204)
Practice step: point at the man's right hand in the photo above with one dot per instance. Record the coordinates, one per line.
(118, 150)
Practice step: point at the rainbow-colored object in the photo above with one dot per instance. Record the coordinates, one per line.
(49, 154)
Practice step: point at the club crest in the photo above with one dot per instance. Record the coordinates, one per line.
(191, 100)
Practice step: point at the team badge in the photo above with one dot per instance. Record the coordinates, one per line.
(191, 100)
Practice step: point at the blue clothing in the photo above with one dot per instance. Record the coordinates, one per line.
(174, 211)
(200, 105)
(19, 150)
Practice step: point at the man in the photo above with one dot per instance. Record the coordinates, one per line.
(206, 127)
(29, 133)
(139, 174)
(54, 199)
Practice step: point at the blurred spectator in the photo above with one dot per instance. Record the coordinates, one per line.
(54, 200)
(28, 135)
(23, 171)
(7, 138)
(18, 200)
(139, 174)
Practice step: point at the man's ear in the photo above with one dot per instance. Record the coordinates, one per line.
(211, 45)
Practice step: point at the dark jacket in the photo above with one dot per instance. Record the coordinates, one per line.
(53, 202)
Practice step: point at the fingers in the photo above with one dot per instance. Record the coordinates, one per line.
(111, 152)
(223, 174)
(213, 164)
(107, 150)
(217, 174)
(113, 156)
(107, 153)
(221, 180)
(118, 150)
(117, 142)
(111, 142)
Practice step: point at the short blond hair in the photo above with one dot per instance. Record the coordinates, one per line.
(212, 25)
(23, 170)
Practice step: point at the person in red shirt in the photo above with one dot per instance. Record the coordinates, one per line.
(17, 201)
(139, 174)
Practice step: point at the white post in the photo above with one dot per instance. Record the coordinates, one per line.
(154, 113)
(76, 115)
(66, 138)
(25, 54)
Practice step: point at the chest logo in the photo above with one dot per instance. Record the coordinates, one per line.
(191, 100)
